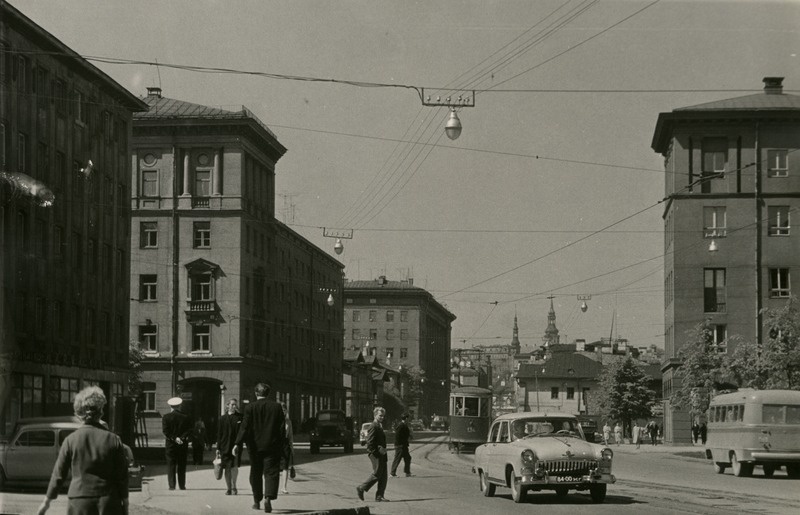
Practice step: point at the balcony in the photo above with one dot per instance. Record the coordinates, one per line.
(201, 202)
(202, 311)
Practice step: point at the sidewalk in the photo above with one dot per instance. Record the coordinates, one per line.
(682, 450)
(204, 494)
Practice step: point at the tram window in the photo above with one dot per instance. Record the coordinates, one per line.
(458, 406)
(471, 406)
(484, 407)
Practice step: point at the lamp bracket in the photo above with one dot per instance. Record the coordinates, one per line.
(448, 98)
(337, 233)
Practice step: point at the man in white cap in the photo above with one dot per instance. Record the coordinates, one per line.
(176, 428)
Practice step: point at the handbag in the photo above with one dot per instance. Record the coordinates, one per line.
(217, 467)
(291, 472)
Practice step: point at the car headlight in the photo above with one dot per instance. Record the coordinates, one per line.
(607, 454)
(528, 456)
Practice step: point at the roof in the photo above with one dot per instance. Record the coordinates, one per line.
(353, 355)
(756, 102)
(383, 285)
(559, 365)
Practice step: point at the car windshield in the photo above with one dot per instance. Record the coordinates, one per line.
(330, 417)
(534, 427)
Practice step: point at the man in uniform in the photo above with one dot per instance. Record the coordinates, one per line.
(176, 427)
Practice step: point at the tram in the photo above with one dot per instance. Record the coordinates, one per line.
(470, 417)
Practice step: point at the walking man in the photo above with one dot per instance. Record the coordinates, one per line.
(402, 438)
(263, 429)
(376, 449)
(177, 429)
(229, 425)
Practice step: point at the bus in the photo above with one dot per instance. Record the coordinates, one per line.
(749, 428)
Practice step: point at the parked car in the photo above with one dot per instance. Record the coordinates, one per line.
(31, 452)
(362, 435)
(416, 425)
(534, 451)
(589, 427)
(439, 423)
(330, 429)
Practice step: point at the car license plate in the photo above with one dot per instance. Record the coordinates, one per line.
(566, 479)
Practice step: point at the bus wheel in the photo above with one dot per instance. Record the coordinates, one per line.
(769, 470)
(740, 469)
(719, 467)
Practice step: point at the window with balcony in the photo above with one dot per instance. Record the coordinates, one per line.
(779, 286)
(202, 235)
(148, 235)
(202, 183)
(714, 222)
(714, 290)
(148, 288)
(778, 217)
(201, 338)
(778, 163)
(202, 287)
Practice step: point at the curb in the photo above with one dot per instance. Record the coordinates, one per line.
(361, 510)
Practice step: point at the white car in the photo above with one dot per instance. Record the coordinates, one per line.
(537, 451)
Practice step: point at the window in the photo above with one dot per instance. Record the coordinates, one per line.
(778, 163)
(148, 235)
(719, 336)
(148, 399)
(779, 282)
(202, 183)
(147, 288)
(148, 337)
(778, 220)
(390, 316)
(201, 338)
(22, 74)
(373, 334)
(373, 315)
(63, 390)
(404, 316)
(201, 287)
(389, 352)
(356, 334)
(202, 235)
(356, 316)
(149, 183)
(37, 438)
(714, 290)
(714, 222)
(404, 334)
(390, 334)
(3, 149)
(403, 352)
(22, 153)
(554, 392)
(715, 153)
(570, 393)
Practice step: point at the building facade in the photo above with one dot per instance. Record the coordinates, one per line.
(224, 295)
(733, 179)
(402, 325)
(64, 263)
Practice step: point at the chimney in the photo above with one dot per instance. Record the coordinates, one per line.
(411, 281)
(773, 85)
(382, 279)
(156, 92)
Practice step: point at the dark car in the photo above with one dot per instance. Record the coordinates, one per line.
(439, 423)
(331, 429)
(417, 425)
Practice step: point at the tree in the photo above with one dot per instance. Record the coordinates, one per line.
(624, 393)
(701, 373)
(135, 358)
(776, 364)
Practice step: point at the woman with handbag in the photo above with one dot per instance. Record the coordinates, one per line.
(229, 425)
(287, 460)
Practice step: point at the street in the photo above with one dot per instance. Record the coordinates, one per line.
(657, 480)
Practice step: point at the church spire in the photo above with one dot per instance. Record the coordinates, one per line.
(515, 345)
(551, 333)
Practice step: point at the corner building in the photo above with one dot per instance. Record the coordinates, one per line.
(63, 268)
(224, 295)
(732, 178)
(402, 325)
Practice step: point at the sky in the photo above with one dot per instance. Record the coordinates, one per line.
(552, 189)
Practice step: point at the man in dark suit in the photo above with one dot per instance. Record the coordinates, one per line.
(177, 428)
(376, 449)
(264, 431)
(402, 439)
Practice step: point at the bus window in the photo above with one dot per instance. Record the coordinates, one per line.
(722, 414)
(793, 414)
(736, 417)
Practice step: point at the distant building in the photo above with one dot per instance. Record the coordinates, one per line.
(225, 296)
(402, 325)
(64, 268)
(732, 184)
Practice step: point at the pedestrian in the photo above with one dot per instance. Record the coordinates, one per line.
(95, 459)
(198, 441)
(652, 430)
(287, 460)
(402, 438)
(376, 450)
(636, 433)
(606, 433)
(703, 432)
(695, 431)
(229, 425)
(177, 429)
(263, 429)
(618, 433)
